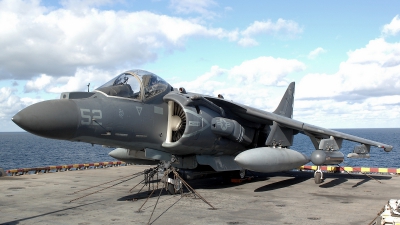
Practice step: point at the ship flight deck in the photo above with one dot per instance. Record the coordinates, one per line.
(275, 198)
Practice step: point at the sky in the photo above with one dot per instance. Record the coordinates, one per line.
(343, 55)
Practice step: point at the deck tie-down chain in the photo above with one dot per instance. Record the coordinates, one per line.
(133, 176)
(150, 176)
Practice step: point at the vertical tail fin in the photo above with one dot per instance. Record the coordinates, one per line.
(285, 107)
(283, 136)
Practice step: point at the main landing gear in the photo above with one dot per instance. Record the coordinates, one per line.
(318, 177)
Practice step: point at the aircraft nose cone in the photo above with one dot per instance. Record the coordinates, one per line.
(56, 119)
(17, 119)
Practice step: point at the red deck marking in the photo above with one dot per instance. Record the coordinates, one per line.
(374, 170)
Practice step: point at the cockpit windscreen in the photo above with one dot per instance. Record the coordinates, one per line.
(135, 84)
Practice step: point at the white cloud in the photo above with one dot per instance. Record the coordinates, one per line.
(5, 93)
(365, 92)
(281, 25)
(384, 100)
(194, 6)
(253, 82)
(280, 28)
(38, 40)
(314, 86)
(35, 40)
(393, 28)
(314, 53)
(370, 71)
(228, 8)
(205, 83)
(77, 5)
(38, 84)
(265, 70)
(247, 42)
(373, 112)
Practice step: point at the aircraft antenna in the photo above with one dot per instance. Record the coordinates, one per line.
(88, 87)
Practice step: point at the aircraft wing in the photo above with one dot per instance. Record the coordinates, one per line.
(263, 117)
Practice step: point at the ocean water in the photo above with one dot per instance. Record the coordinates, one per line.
(25, 150)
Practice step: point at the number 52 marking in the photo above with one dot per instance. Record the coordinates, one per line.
(88, 116)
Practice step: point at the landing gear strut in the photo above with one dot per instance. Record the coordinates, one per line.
(318, 177)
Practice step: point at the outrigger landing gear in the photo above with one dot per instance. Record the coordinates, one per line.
(318, 177)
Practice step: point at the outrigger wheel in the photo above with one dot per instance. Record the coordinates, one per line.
(318, 175)
(242, 173)
(174, 184)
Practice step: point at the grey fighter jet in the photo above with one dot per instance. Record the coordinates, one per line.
(150, 122)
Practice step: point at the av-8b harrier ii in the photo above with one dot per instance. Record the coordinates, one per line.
(150, 122)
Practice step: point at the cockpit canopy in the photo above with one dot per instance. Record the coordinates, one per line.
(135, 84)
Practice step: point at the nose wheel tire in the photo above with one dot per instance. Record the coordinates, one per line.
(318, 175)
